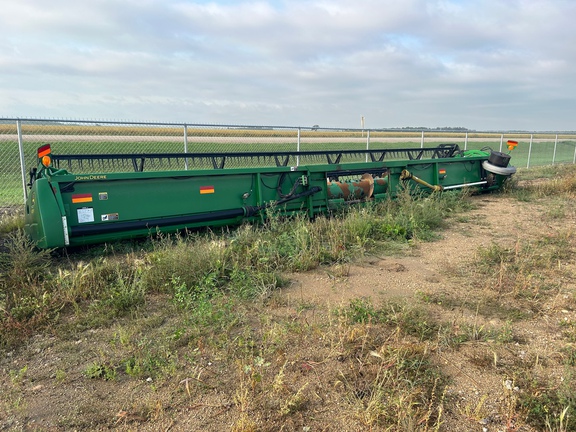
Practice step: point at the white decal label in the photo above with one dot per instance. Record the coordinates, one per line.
(85, 214)
(65, 227)
(109, 217)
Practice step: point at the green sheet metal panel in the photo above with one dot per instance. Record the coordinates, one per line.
(44, 220)
(95, 205)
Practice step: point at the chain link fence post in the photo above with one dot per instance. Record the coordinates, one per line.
(529, 152)
(22, 161)
(367, 143)
(186, 146)
(555, 146)
(298, 147)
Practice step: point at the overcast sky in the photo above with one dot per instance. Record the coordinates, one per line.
(480, 64)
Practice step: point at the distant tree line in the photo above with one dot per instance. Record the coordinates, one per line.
(444, 128)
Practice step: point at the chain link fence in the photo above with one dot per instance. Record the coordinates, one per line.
(20, 138)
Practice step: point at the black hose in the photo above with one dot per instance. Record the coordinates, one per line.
(251, 211)
(153, 223)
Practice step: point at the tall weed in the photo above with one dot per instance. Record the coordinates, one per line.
(26, 288)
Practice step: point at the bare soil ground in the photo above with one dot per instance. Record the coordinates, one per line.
(45, 388)
(436, 270)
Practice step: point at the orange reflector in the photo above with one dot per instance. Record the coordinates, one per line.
(43, 151)
(512, 144)
(81, 198)
(206, 190)
(46, 161)
(442, 171)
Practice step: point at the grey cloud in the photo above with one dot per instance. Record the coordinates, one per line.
(461, 63)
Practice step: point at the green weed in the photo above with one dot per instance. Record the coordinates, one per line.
(568, 330)
(569, 355)
(100, 370)
(408, 320)
(151, 363)
(27, 302)
(548, 405)
(17, 376)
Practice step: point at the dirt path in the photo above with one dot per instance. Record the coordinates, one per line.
(495, 219)
(484, 389)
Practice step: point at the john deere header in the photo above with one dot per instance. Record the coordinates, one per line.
(66, 209)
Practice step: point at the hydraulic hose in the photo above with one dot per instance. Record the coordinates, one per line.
(152, 223)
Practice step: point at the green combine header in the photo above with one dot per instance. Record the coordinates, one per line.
(67, 209)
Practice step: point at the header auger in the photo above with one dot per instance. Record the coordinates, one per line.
(66, 209)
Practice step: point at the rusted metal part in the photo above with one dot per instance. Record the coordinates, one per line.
(380, 185)
(362, 189)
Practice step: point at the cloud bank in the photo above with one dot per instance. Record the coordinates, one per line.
(478, 64)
